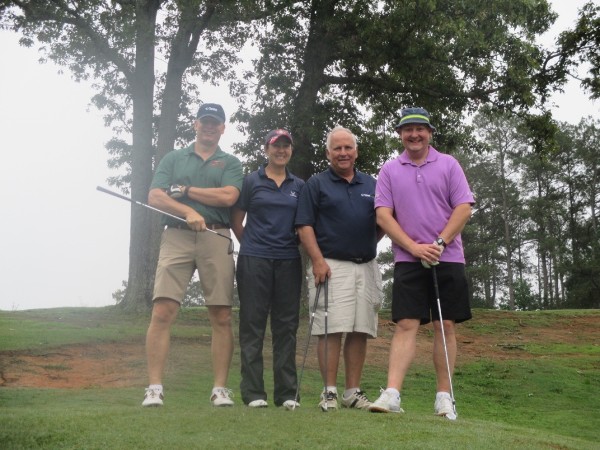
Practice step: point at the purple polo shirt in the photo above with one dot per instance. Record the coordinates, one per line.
(423, 198)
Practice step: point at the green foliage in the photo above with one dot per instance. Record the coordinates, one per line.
(358, 63)
(582, 46)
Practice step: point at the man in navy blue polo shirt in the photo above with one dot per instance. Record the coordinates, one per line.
(337, 227)
(269, 273)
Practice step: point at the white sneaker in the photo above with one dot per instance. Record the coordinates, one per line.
(387, 402)
(443, 406)
(221, 397)
(357, 400)
(153, 397)
(291, 405)
(328, 401)
(260, 403)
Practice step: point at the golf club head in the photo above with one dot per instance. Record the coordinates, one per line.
(230, 246)
(451, 416)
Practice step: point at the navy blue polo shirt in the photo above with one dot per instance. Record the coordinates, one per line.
(270, 212)
(341, 213)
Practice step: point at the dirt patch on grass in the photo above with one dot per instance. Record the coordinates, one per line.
(123, 364)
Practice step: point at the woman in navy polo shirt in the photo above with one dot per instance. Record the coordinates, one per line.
(269, 273)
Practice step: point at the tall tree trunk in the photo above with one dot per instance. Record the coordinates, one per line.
(318, 54)
(143, 225)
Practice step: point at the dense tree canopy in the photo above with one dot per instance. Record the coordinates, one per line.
(323, 62)
(359, 62)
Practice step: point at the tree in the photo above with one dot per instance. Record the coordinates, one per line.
(582, 46)
(580, 144)
(499, 133)
(358, 62)
(117, 44)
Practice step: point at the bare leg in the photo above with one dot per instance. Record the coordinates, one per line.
(439, 357)
(334, 345)
(158, 337)
(355, 351)
(222, 343)
(402, 351)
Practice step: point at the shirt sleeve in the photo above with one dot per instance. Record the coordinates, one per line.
(164, 172)
(233, 174)
(383, 189)
(306, 213)
(460, 192)
(243, 201)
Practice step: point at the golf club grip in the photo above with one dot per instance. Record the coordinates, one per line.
(115, 194)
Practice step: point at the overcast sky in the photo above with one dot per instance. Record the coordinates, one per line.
(64, 243)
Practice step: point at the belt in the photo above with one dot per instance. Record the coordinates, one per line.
(209, 226)
(357, 260)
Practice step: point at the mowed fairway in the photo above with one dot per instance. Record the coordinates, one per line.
(74, 378)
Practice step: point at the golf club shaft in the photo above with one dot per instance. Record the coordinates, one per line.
(325, 357)
(123, 197)
(437, 295)
(116, 194)
(310, 325)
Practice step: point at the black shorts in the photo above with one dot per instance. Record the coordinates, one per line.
(414, 294)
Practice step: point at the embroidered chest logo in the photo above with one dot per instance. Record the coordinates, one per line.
(294, 194)
(217, 163)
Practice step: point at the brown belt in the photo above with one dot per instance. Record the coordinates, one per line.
(210, 226)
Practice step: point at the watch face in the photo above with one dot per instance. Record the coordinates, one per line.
(441, 242)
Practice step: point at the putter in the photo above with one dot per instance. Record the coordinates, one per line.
(310, 325)
(453, 415)
(325, 358)
(123, 197)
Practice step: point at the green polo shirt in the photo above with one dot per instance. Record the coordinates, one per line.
(185, 167)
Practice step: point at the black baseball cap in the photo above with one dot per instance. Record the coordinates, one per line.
(211, 110)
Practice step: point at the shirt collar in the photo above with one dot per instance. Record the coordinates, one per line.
(432, 155)
(217, 154)
(356, 179)
(263, 174)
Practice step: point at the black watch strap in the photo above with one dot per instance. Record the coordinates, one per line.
(439, 241)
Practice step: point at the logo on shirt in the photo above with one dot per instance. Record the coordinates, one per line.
(217, 163)
(367, 195)
(294, 194)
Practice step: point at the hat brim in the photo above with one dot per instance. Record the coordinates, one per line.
(214, 116)
(278, 138)
(415, 122)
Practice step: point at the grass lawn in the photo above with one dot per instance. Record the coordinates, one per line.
(523, 380)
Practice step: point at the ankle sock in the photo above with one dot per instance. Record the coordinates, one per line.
(394, 392)
(349, 392)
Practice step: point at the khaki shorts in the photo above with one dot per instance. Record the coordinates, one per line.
(354, 298)
(184, 251)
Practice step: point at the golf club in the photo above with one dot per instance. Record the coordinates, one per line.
(453, 415)
(325, 357)
(123, 197)
(310, 325)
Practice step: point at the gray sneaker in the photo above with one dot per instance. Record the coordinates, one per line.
(153, 397)
(387, 402)
(357, 400)
(328, 401)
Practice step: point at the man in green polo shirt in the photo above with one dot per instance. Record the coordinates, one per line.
(207, 181)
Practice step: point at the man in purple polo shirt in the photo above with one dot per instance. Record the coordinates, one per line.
(423, 202)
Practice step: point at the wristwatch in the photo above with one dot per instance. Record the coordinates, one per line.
(439, 241)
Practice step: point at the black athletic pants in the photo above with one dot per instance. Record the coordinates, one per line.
(268, 286)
